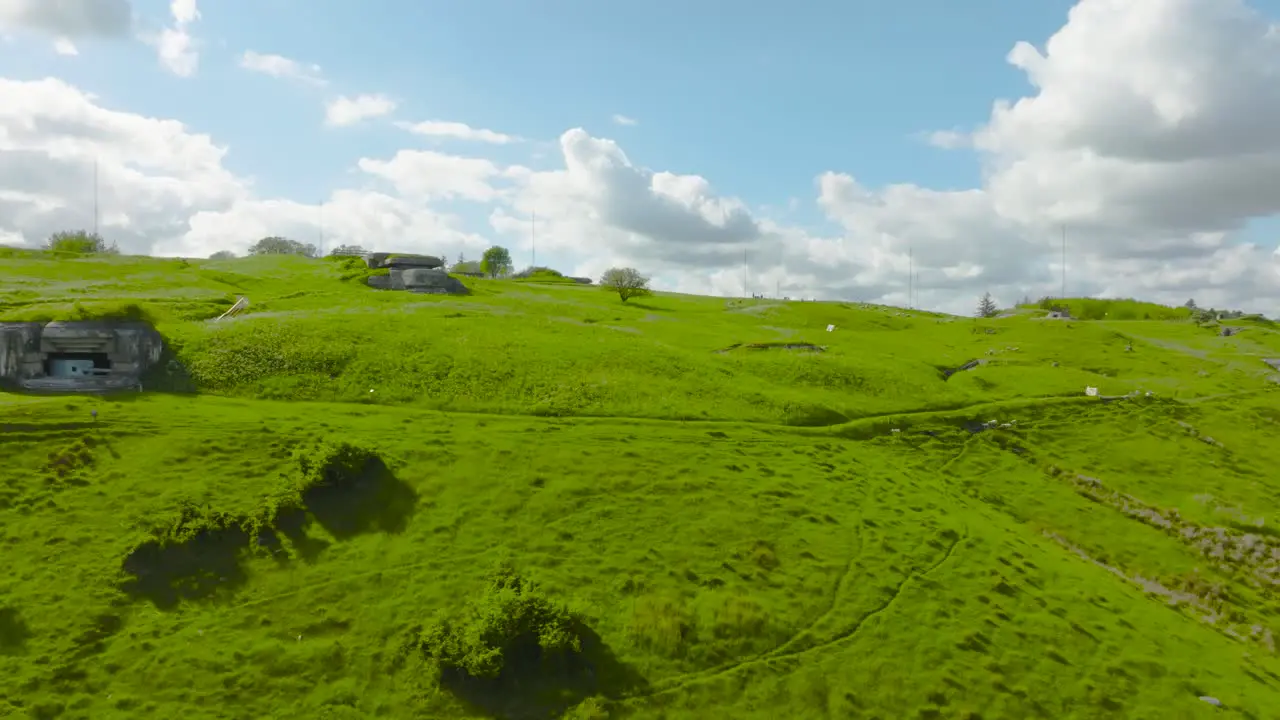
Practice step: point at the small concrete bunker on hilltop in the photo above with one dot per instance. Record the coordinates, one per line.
(88, 356)
(415, 273)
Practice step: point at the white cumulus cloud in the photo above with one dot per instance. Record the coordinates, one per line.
(278, 66)
(176, 47)
(345, 111)
(457, 131)
(68, 18)
(1151, 133)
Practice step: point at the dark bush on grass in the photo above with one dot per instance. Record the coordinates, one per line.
(333, 466)
(192, 523)
(509, 627)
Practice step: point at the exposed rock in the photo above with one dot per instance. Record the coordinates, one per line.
(1274, 363)
(423, 280)
(1229, 331)
(582, 280)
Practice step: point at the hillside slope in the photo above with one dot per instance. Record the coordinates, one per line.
(754, 516)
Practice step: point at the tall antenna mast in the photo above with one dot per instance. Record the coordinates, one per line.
(745, 293)
(320, 228)
(533, 235)
(1064, 262)
(95, 195)
(911, 277)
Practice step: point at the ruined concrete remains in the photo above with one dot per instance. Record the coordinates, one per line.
(423, 280)
(90, 356)
(415, 273)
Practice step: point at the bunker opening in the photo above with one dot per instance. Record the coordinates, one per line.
(88, 356)
(77, 365)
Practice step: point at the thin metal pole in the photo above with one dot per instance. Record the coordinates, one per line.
(911, 274)
(1064, 262)
(95, 195)
(533, 235)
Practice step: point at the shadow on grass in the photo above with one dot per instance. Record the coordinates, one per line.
(205, 565)
(209, 559)
(647, 306)
(375, 501)
(14, 632)
(534, 687)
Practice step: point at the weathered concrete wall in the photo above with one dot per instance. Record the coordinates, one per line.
(379, 282)
(87, 336)
(138, 347)
(422, 280)
(397, 278)
(402, 260)
(19, 350)
(132, 347)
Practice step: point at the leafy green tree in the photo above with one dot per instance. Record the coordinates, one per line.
(276, 245)
(348, 250)
(1191, 304)
(511, 621)
(496, 262)
(987, 307)
(80, 242)
(627, 282)
(223, 255)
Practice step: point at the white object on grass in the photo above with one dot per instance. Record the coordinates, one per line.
(830, 328)
(1091, 391)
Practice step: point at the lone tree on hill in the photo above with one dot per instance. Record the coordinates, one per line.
(276, 245)
(1191, 304)
(496, 262)
(627, 282)
(223, 255)
(81, 242)
(987, 307)
(348, 250)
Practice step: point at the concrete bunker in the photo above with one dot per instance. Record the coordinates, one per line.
(87, 356)
(415, 273)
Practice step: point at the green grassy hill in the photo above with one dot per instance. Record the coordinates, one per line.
(742, 514)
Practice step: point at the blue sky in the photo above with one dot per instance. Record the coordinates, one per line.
(758, 98)
(763, 100)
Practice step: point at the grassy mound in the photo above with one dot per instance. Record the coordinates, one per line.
(927, 518)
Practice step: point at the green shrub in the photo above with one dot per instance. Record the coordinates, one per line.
(79, 242)
(332, 465)
(512, 622)
(189, 523)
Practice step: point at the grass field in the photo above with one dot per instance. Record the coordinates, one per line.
(746, 516)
